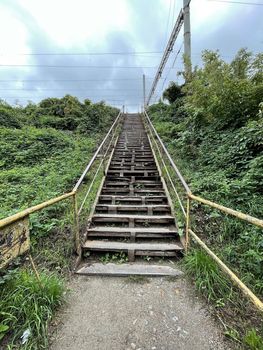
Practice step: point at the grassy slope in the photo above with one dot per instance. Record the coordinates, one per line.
(215, 136)
(43, 151)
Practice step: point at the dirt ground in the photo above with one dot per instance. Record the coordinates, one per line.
(124, 314)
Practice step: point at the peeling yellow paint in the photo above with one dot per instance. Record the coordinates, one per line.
(14, 241)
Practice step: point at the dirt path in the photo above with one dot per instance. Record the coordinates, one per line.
(106, 313)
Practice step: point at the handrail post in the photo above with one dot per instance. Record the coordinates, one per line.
(76, 237)
(188, 222)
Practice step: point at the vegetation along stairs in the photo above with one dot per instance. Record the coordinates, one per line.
(133, 209)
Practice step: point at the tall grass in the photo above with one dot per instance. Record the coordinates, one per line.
(208, 278)
(216, 287)
(26, 304)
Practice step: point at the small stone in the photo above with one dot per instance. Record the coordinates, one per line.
(133, 346)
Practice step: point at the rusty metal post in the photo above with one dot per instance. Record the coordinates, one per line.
(187, 242)
(76, 237)
(35, 270)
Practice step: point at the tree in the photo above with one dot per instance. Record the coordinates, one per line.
(173, 92)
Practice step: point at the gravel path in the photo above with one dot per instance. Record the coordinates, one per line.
(106, 313)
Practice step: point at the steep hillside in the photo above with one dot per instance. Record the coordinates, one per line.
(213, 127)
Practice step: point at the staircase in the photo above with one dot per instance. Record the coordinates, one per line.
(133, 211)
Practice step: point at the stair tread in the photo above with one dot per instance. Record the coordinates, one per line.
(132, 171)
(131, 197)
(111, 269)
(139, 206)
(133, 229)
(132, 216)
(111, 245)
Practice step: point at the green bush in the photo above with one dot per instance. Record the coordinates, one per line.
(8, 117)
(215, 134)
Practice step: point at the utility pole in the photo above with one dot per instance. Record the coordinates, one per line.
(183, 17)
(144, 95)
(187, 36)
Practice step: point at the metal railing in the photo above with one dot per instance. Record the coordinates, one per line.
(189, 196)
(99, 160)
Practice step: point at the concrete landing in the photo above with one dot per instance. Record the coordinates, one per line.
(107, 313)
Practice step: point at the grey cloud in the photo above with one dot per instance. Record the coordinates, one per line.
(149, 23)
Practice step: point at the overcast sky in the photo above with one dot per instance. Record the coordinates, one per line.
(40, 38)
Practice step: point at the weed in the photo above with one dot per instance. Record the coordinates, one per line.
(118, 258)
(208, 278)
(233, 334)
(27, 304)
(146, 223)
(43, 150)
(213, 129)
(253, 340)
(147, 258)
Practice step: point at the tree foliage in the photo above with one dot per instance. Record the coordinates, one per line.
(44, 148)
(173, 92)
(216, 133)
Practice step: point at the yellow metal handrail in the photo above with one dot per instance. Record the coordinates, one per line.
(190, 196)
(20, 215)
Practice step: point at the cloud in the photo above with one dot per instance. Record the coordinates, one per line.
(109, 26)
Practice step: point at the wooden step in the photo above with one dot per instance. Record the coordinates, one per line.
(142, 191)
(135, 183)
(111, 177)
(128, 232)
(126, 218)
(125, 247)
(141, 217)
(117, 270)
(132, 199)
(133, 207)
(135, 168)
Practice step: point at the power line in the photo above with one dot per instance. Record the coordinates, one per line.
(80, 53)
(71, 89)
(166, 54)
(239, 2)
(177, 54)
(74, 66)
(45, 97)
(168, 20)
(69, 80)
(60, 96)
